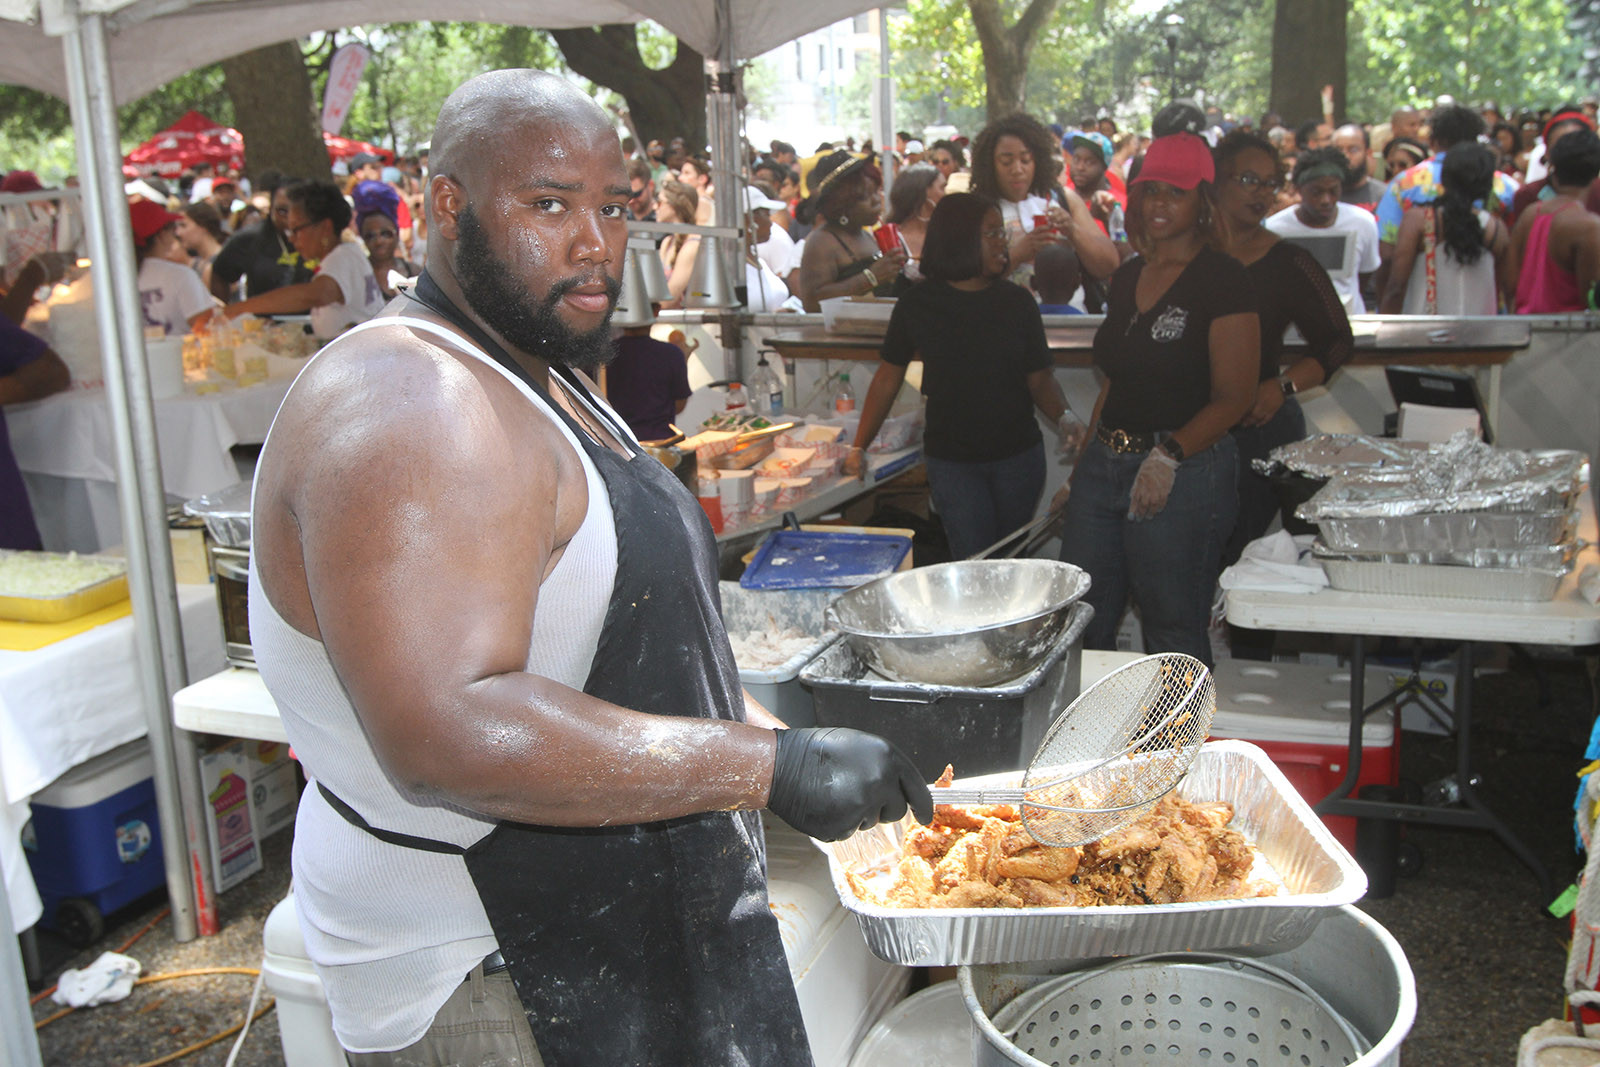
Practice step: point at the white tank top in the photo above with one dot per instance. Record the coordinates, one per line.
(392, 930)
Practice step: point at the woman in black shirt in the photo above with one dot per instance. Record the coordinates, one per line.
(1154, 497)
(1291, 287)
(985, 367)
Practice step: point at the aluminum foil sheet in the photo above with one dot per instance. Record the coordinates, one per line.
(1458, 531)
(1328, 454)
(226, 513)
(1318, 873)
(1554, 559)
(1463, 475)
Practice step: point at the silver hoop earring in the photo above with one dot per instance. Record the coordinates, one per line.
(844, 220)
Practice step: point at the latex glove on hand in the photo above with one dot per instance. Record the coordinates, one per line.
(855, 462)
(1152, 485)
(829, 782)
(1074, 434)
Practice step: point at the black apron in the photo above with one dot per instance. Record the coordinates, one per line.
(646, 944)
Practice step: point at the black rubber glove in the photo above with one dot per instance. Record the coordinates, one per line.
(830, 782)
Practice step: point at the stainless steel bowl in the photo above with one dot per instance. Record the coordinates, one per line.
(970, 623)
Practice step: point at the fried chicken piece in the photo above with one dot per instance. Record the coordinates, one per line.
(979, 894)
(914, 888)
(929, 842)
(1232, 852)
(946, 778)
(1017, 839)
(1045, 895)
(961, 864)
(1045, 864)
(1177, 871)
(1212, 815)
(863, 889)
(1127, 842)
(957, 818)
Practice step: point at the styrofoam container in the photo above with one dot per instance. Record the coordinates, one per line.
(305, 1027)
(843, 989)
(778, 688)
(1300, 716)
(928, 1028)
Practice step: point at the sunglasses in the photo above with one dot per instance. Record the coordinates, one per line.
(1252, 181)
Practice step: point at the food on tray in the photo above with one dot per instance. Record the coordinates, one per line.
(984, 857)
(768, 649)
(45, 574)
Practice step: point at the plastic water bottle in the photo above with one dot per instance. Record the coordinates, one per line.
(844, 397)
(766, 389)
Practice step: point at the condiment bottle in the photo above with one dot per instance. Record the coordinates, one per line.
(736, 398)
(844, 397)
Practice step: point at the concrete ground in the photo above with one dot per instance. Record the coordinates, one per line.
(1488, 960)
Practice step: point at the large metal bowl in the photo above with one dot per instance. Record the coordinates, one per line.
(970, 623)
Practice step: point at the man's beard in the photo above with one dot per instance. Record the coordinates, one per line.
(503, 302)
(1354, 175)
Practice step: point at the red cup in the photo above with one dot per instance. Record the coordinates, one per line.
(1042, 222)
(888, 237)
(713, 510)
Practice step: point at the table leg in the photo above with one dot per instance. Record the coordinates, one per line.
(1475, 814)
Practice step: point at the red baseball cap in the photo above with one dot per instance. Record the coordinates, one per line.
(148, 220)
(21, 181)
(1182, 160)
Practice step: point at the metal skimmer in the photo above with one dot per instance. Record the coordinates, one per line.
(1121, 746)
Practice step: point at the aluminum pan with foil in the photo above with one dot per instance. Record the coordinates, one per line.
(1318, 873)
(1459, 476)
(1554, 559)
(1325, 455)
(1451, 531)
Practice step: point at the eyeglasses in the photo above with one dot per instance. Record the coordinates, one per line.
(1251, 181)
(996, 235)
(292, 231)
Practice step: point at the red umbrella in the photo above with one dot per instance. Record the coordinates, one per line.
(192, 140)
(344, 148)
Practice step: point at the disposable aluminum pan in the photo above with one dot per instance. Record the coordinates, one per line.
(1555, 559)
(226, 513)
(1425, 580)
(1327, 455)
(1479, 479)
(1318, 874)
(1460, 531)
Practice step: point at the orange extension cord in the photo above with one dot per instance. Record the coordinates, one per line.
(195, 972)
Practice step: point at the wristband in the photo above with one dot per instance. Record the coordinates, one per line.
(1286, 383)
(1172, 448)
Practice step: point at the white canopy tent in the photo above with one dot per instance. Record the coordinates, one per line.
(101, 53)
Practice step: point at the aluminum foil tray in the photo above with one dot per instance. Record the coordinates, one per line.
(1557, 559)
(1480, 478)
(1325, 455)
(1425, 580)
(1318, 873)
(1458, 531)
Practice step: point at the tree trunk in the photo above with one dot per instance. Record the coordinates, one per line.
(1308, 52)
(1006, 51)
(271, 94)
(663, 104)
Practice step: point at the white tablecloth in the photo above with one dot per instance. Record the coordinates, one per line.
(64, 446)
(68, 702)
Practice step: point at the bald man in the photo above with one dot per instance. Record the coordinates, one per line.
(491, 626)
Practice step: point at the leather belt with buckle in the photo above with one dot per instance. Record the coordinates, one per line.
(494, 963)
(1123, 441)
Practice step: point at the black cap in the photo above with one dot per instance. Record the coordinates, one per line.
(361, 159)
(1180, 116)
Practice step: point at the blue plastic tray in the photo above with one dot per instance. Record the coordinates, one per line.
(809, 559)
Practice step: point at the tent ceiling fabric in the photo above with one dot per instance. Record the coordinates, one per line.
(146, 54)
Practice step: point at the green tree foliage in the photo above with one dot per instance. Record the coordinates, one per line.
(1518, 54)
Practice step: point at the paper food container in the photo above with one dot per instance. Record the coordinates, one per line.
(56, 587)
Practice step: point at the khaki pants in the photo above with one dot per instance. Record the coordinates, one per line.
(481, 1025)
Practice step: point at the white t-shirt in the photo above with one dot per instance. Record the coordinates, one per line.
(764, 290)
(1018, 216)
(348, 265)
(171, 294)
(1356, 221)
(779, 252)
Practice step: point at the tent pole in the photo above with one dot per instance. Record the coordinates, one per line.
(727, 167)
(157, 631)
(885, 131)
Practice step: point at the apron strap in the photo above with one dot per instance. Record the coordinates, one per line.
(392, 837)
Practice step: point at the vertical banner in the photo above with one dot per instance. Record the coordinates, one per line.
(344, 77)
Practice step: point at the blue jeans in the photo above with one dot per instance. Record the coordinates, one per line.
(1258, 503)
(1168, 563)
(981, 502)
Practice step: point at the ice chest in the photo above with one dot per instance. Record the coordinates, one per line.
(1300, 715)
(979, 729)
(95, 836)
